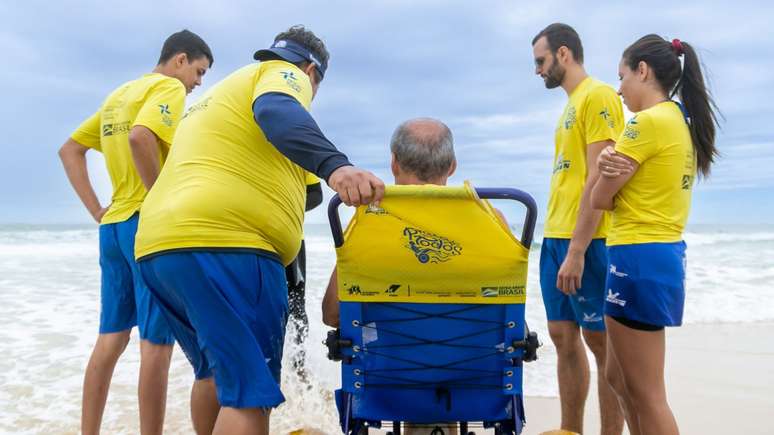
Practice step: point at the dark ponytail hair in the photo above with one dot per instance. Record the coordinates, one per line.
(663, 57)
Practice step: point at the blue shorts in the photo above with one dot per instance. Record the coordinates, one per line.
(646, 283)
(125, 300)
(228, 311)
(586, 306)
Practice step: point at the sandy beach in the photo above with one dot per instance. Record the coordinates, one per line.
(720, 372)
(719, 378)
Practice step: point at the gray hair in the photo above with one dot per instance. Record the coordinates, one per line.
(423, 147)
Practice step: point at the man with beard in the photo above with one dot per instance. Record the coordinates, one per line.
(573, 258)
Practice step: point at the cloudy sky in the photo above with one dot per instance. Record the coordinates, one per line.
(467, 63)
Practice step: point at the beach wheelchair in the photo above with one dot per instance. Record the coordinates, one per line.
(432, 286)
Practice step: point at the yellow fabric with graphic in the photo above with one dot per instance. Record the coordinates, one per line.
(593, 114)
(431, 244)
(224, 184)
(154, 101)
(653, 205)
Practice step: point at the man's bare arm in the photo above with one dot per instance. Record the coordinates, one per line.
(330, 304)
(570, 273)
(73, 156)
(145, 153)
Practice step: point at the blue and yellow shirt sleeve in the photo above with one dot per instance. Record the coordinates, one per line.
(638, 139)
(604, 115)
(285, 78)
(281, 109)
(88, 133)
(163, 108)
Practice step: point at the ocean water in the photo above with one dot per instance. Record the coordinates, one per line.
(49, 310)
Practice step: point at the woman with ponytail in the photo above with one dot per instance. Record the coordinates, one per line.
(646, 182)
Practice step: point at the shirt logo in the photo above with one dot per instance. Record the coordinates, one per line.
(613, 298)
(291, 79)
(605, 114)
(429, 247)
(687, 182)
(562, 164)
(202, 105)
(115, 128)
(569, 119)
(631, 131)
(165, 115)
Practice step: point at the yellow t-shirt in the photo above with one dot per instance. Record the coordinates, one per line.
(653, 206)
(311, 179)
(593, 114)
(224, 184)
(154, 101)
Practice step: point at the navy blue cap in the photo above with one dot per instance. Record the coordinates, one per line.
(292, 52)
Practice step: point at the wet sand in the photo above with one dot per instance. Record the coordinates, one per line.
(720, 380)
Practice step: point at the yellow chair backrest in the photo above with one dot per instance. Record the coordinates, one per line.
(431, 244)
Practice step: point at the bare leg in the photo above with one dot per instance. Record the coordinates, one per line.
(204, 406)
(96, 381)
(244, 421)
(152, 388)
(572, 371)
(614, 376)
(641, 357)
(611, 417)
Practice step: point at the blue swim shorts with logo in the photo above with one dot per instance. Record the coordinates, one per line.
(125, 299)
(586, 306)
(646, 283)
(228, 311)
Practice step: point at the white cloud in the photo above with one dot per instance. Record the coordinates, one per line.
(466, 63)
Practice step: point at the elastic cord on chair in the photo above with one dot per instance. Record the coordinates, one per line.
(470, 382)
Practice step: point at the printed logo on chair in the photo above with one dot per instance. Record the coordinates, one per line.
(493, 292)
(429, 247)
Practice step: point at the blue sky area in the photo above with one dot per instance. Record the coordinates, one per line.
(467, 63)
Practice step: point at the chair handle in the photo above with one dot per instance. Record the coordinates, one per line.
(483, 192)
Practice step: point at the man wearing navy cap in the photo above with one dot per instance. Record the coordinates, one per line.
(226, 215)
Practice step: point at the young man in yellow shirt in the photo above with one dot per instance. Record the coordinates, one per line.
(133, 129)
(573, 258)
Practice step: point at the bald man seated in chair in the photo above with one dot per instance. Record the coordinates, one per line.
(422, 153)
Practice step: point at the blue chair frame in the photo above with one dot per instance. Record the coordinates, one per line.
(348, 345)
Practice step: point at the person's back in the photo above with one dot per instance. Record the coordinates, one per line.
(151, 100)
(422, 153)
(201, 188)
(225, 218)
